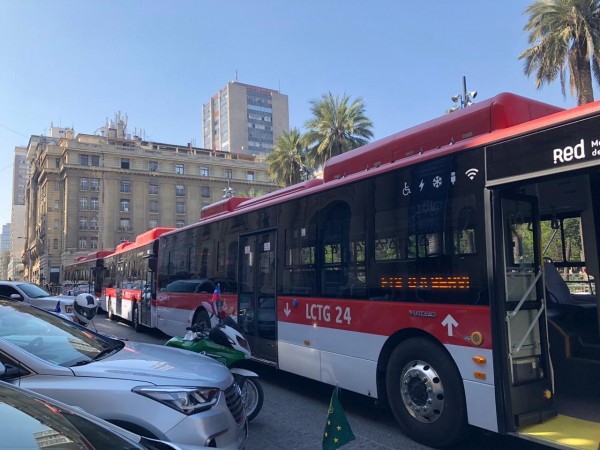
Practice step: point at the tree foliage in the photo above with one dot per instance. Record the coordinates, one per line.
(337, 126)
(286, 162)
(564, 35)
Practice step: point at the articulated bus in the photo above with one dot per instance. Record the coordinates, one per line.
(129, 285)
(85, 274)
(450, 270)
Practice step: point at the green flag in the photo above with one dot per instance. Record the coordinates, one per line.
(337, 429)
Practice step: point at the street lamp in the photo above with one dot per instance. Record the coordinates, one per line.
(465, 99)
(228, 191)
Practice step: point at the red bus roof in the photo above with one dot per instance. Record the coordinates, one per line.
(502, 111)
(142, 239)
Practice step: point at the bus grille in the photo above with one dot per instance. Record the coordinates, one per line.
(234, 403)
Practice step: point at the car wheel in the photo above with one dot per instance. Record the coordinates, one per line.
(425, 392)
(135, 318)
(252, 395)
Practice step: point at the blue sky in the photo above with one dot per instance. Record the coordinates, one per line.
(76, 63)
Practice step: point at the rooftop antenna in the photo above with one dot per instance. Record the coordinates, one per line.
(236, 78)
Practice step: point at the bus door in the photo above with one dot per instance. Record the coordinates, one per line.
(257, 311)
(521, 307)
(145, 301)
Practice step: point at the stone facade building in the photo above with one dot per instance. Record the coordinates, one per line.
(91, 192)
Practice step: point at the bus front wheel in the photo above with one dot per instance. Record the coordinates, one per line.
(202, 316)
(425, 393)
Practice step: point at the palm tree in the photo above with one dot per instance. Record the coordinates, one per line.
(286, 160)
(336, 127)
(564, 34)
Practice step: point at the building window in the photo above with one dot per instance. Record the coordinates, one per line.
(94, 204)
(228, 173)
(153, 206)
(56, 205)
(180, 224)
(153, 223)
(83, 203)
(56, 224)
(55, 244)
(94, 224)
(56, 186)
(205, 191)
(95, 184)
(204, 171)
(83, 223)
(124, 224)
(180, 208)
(125, 163)
(83, 184)
(152, 166)
(179, 169)
(250, 175)
(124, 205)
(180, 190)
(84, 160)
(95, 161)
(82, 243)
(153, 188)
(94, 243)
(125, 186)
(57, 163)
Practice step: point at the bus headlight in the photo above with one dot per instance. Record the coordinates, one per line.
(187, 400)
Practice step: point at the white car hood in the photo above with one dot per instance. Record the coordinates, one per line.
(159, 365)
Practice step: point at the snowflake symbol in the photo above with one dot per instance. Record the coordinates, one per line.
(437, 182)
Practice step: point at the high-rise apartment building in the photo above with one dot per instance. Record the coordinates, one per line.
(17, 214)
(91, 192)
(245, 119)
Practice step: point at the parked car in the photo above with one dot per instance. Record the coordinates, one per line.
(31, 420)
(151, 390)
(35, 295)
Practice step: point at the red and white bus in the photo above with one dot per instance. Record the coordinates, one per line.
(85, 274)
(450, 270)
(129, 281)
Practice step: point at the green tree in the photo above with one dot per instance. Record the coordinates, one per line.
(336, 127)
(286, 161)
(564, 34)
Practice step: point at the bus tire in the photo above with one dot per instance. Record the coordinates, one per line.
(109, 311)
(135, 318)
(200, 317)
(426, 394)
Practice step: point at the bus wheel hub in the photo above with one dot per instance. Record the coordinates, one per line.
(422, 391)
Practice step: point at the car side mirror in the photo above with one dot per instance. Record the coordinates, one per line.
(10, 372)
(16, 297)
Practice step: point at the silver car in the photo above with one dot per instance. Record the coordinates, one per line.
(151, 390)
(35, 295)
(42, 422)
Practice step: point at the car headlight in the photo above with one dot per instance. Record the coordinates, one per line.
(188, 400)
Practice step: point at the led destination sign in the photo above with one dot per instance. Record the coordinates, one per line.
(570, 144)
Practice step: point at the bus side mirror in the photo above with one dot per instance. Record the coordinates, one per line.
(152, 264)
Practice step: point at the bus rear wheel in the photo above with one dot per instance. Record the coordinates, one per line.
(109, 311)
(425, 393)
(135, 318)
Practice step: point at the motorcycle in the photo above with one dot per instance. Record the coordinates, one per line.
(225, 343)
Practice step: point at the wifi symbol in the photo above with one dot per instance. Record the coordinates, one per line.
(471, 173)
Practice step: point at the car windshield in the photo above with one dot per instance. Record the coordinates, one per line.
(38, 422)
(52, 338)
(33, 290)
